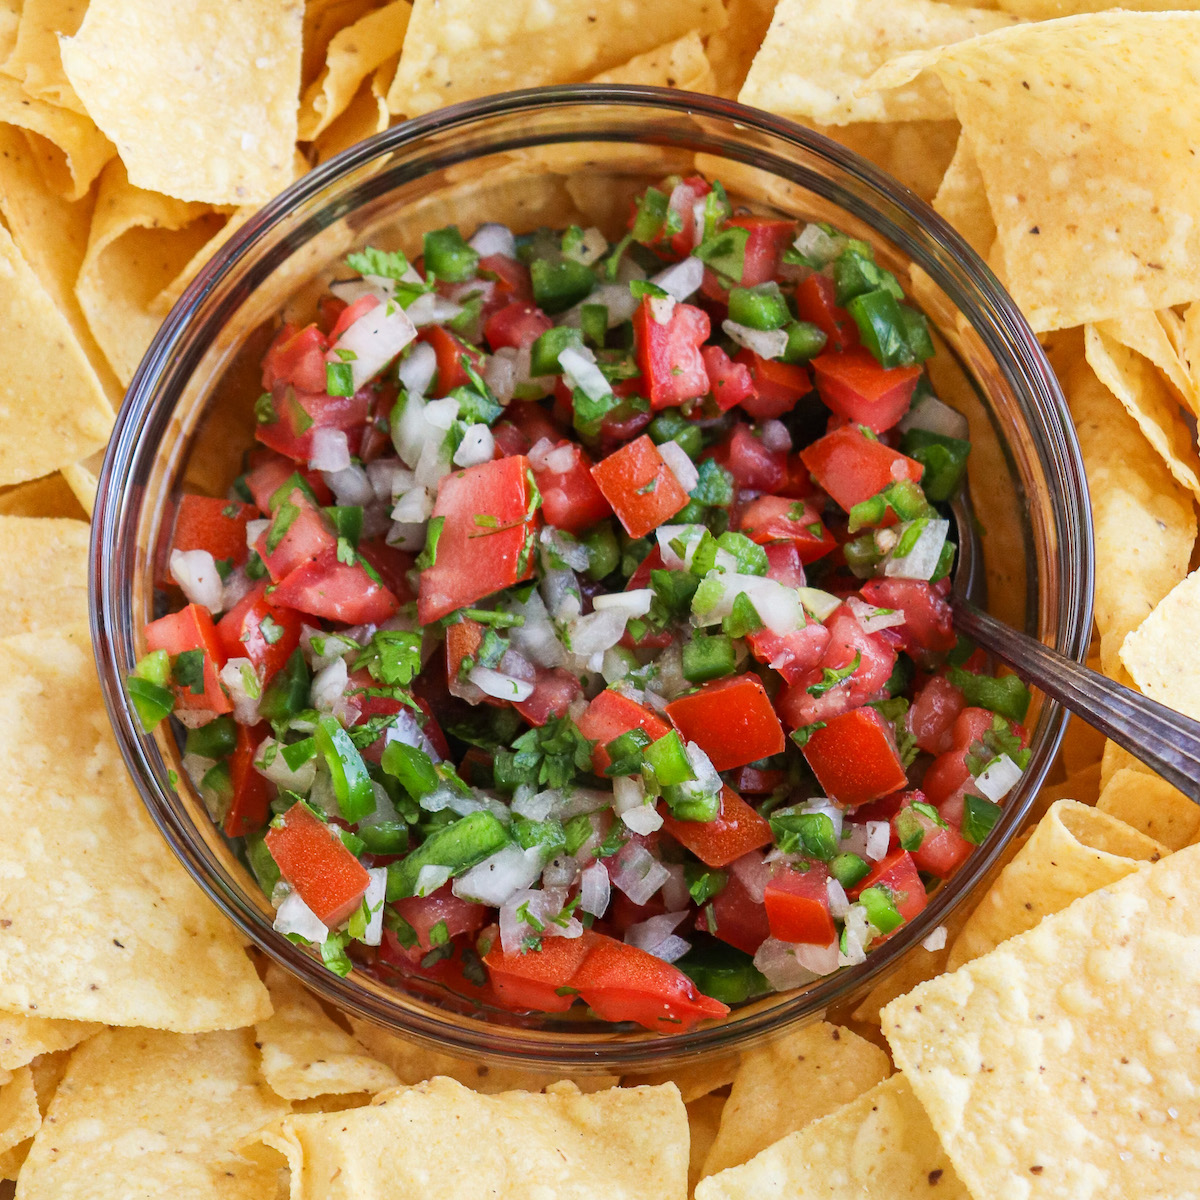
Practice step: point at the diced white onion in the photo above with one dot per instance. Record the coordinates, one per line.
(374, 340)
(196, 573)
(592, 248)
(442, 413)
(922, 560)
(931, 414)
(662, 308)
(777, 605)
(242, 682)
(350, 486)
(644, 820)
(406, 536)
(999, 779)
(498, 878)
(681, 466)
(616, 297)
(430, 878)
(416, 372)
(857, 934)
(330, 450)
(689, 535)
(839, 902)
(594, 889)
(329, 686)
(491, 238)
(633, 604)
(534, 806)
(825, 806)
(766, 343)
(581, 800)
(628, 793)
(699, 215)
(681, 279)
(499, 372)
(560, 591)
(656, 936)
(431, 309)
(387, 477)
(637, 873)
(374, 897)
(477, 446)
(536, 639)
(818, 246)
(873, 619)
(817, 603)
(543, 906)
(406, 729)
(278, 772)
(879, 838)
(580, 371)
(255, 530)
(777, 962)
(675, 894)
(775, 435)
(413, 507)
(754, 873)
(820, 960)
(502, 687)
(936, 940)
(565, 547)
(539, 452)
(560, 872)
(351, 290)
(562, 459)
(294, 916)
(591, 635)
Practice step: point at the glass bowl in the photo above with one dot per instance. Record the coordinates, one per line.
(546, 157)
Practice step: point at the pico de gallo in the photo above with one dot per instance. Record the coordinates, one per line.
(576, 633)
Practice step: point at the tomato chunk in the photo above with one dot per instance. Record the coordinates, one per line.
(776, 385)
(942, 848)
(312, 858)
(898, 875)
(442, 907)
(450, 352)
(570, 498)
(669, 353)
(855, 759)
(928, 629)
(298, 358)
(752, 465)
(483, 546)
(737, 830)
(305, 535)
(611, 714)
(735, 917)
(640, 487)
(518, 325)
(538, 980)
(948, 772)
(209, 523)
(797, 904)
(857, 388)
(776, 519)
(327, 587)
(794, 655)
(816, 302)
(768, 239)
(553, 693)
(731, 720)
(191, 628)
(852, 467)
(298, 416)
(250, 808)
(242, 633)
(728, 381)
(268, 473)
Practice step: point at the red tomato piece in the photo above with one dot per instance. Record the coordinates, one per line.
(948, 772)
(794, 655)
(934, 710)
(326, 587)
(250, 808)
(531, 423)
(272, 471)
(798, 485)
(928, 629)
(518, 325)
(816, 303)
(682, 203)
(776, 385)
(611, 714)
(855, 759)
(731, 720)
(191, 628)
(857, 388)
(297, 358)
(797, 904)
(300, 414)
(538, 980)
(241, 632)
(553, 693)
(852, 467)
(640, 487)
(306, 536)
(778, 519)
(735, 917)
(669, 354)
(483, 547)
(450, 351)
(440, 907)
(390, 564)
(737, 830)
(512, 276)
(463, 639)
(942, 850)
(312, 858)
(898, 876)
(753, 466)
(755, 781)
(350, 314)
(570, 499)
(768, 239)
(209, 523)
(784, 565)
(728, 381)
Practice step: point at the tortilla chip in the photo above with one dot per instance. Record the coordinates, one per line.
(1074, 850)
(731, 50)
(1155, 652)
(704, 1119)
(693, 1081)
(79, 845)
(783, 1085)
(458, 49)
(145, 1113)
(1144, 522)
(44, 581)
(1065, 1062)
(323, 19)
(1145, 333)
(1082, 785)
(353, 54)
(305, 1054)
(10, 20)
(817, 53)
(1045, 10)
(52, 408)
(200, 98)
(83, 480)
(49, 496)
(22, 1039)
(19, 1115)
(1151, 805)
(962, 201)
(1094, 198)
(680, 64)
(1081, 746)
(35, 60)
(413, 1063)
(879, 1147)
(366, 115)
(441, 1141)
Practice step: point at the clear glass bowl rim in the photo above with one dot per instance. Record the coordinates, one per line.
(944, 255)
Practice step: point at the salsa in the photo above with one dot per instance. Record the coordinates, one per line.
(576, 632)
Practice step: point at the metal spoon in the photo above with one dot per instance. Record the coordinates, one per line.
(1163, 739)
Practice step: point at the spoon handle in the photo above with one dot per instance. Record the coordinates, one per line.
(1163, 739)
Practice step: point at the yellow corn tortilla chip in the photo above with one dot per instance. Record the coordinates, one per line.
(1145, 334)
(1044, 10)
(962, 201)
(1151, 805)
(1094, 198)
(413, 1063)
(1144, 521)
(10, 20)
(692, 1080)
(35, 59)
(731, 50)
(43, 584)
(704, 1119)
(200, 98)
(1065, 1062)
(878, 1147)
(459, 49)
(1156, 655)
(19, 1115)
(817, 53)
(441, 1141)
(305, 1054)
(782, 1086)
(49, 496)
(47, 1071)
(22, 1039)
(917, 153)
(323, 19)
(83, 478)
(52, 408)
(1074, 850)
(132, 941)
(366, 115)
(353, 54)
(679, 64)
(145, 1113)
(165, 300)
(139, 243)
(1185, 332)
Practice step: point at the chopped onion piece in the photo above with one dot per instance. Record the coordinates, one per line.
(430, 878)
(775, 435)
(591, 249)
(766, 343)
(922, 560)
(594, 889)
(644, 820)
(633, 604)
(491, 238)
(374, 340)
(682, 279)
(689, 536)
(857, 934)
(699, 215)
(580, 371)
(441, 413)
(351, 290)
(662, 308)
(560, 872)
(573, 553)
(675, 894)
(502, 687)
(637, 873)
(873, 619)
(879, 838)
(560, 591)
(477, 446)
(405, 536)
(416, 372)
(374, 897)
(255, 530)
(755, 873)
(413, 507)
(820, 960)
(680, 465)
(591, 635)
(562, 459)
(294, 916)
(498, 878)
(329, 686)
(196, 573)
(936, 940)
(499, 372)
(544, 906)
(657, 936)
(538, 453)
(270, 763)
(817, 603)
(628, 793)
(534, 806)
(406, 729)
(999, 779)
(388, 478)
(777, 962)
(818, 246)
(431, 309)
(350, 486)
(330, 450)
(244, 686)
(536, 639)
(616, 297)
(839, 902)
(931, 414)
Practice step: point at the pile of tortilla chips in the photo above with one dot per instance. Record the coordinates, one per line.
(1050, 1047)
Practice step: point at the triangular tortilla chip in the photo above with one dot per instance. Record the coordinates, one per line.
(44, 580)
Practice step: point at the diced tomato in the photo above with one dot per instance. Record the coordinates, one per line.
(241, 632)
(768, 239)
(191, 628)
(934, 710)
(512, 276)
(682, 203)
(855, 759)
(553, 693)
(622, 913)
(305, 537)
(442, 907)
(942, 850)
(570, 499)
(463, 639)
(518, 325)
(898, 875)
(640, 487)
(816, 303)
(735, 917)
(483, 548)
(757, 781)
(731, 720)
(622, 983)
(775, 519)
(857, 388)
(250, 808)
(450, 351)
(784, 565)
(312, 858)
(798, 485)
(326, 587)
(669, 354)
(852, 467)
(529, 422)
(728, 381)
(348, 316)
(737, 830)
(794, 655)
(776, 385)
(797, 904)
(611, 714)
(300, 414)
(753, 466)
(948, 772)
(883, 809)
(928, 629)
(391, 565)
(329, 308)
(297, 358)
(212, 524)
(538, 980)
(271, 471)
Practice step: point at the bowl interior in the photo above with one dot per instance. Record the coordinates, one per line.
(553, 158)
